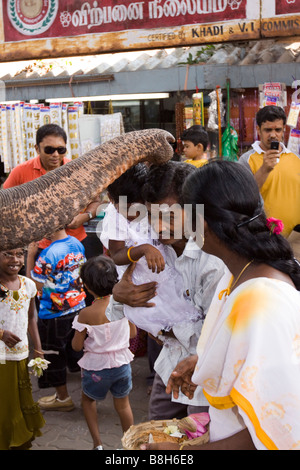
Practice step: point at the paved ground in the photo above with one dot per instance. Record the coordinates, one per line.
(68, 430)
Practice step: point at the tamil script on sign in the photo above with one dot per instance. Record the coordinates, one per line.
(54, 18)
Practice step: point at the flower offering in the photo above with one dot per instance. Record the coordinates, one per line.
(38, 366)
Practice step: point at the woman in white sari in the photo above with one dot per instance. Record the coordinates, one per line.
(248, 355)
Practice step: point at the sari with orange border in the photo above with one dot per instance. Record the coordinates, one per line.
(249, 362)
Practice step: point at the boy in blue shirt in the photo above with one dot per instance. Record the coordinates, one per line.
(56, 273)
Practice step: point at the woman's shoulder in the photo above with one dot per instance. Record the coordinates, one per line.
(282, 283)
(262, 301)
(265, 291)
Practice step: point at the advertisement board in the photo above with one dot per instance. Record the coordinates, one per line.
(54, 28)
(280, 18)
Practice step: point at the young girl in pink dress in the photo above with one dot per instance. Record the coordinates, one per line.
(106, 360)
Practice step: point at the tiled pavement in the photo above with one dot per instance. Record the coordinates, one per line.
(68, 430)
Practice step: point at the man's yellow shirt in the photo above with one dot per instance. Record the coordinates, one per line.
(281, 190)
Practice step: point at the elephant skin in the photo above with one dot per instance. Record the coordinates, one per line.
(34, 210)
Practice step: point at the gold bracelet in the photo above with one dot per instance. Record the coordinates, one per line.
(1, 334)
(39, 352)
(128, 255)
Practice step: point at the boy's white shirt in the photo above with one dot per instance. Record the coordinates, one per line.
(171, 305)
(201, 274)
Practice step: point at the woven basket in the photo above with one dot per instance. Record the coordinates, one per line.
(139, 434)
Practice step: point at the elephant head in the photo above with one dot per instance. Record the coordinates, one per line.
(38, 208)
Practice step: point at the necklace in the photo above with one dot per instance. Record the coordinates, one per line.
(100, 298)
(231, 286)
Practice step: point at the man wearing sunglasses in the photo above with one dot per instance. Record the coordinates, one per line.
(51, 146)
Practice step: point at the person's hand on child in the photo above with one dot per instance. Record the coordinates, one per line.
(126, 292)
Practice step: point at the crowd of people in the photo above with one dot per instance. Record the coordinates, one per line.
(218, 297)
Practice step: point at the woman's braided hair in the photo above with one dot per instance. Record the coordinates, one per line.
(231, 200)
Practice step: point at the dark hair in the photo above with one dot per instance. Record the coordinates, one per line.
(129, 184)
(3, 292)
(99, 275)
(50, 129)
(166, 180)
(197, 135)
(231, 196)
(271, 114)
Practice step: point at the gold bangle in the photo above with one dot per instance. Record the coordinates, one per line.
(39, 352)
(128, 255)
(1, 334)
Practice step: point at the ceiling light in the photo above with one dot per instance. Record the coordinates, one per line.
(138, 96)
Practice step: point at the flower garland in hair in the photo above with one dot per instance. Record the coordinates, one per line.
(275, 225)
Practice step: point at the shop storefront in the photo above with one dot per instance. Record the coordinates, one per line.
(198, 61)
(95, 100)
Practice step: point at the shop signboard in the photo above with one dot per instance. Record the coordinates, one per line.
(280, 18)
(54, 28)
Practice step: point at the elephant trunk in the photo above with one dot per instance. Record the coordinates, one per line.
(36, 209)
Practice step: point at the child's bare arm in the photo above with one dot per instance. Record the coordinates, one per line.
(31, 253)
(79, 336)
(119, 253)
(33, 330)
(78, 340)
(133, 330)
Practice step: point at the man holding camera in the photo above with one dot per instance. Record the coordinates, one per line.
(275, 168)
